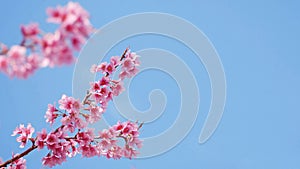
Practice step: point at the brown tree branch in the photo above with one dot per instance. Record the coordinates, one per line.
(18, 156)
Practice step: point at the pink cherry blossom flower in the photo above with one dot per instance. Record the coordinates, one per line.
(80, 123)
(3, 64)
(102, 67)
(115, 60)
(25, 134)
(60, 133)
(84, 138)
(18, 164)
(16, 54)
(93, 68)
(30, 30)
(95, 86)
(110, 68)
(123, 75)
(101, 95)
(56, 49)
(88, 150)
(118, 127)
(96, 113)
(68, 124)
(114, 152)
(41, 138)
(73, 18)
(117, 88)
(64, 55)
(104, 91)
(77, 41)
(52, 141)
(33, 62)
(129, 66)
(56, 15)
(106, 134)
(130, 152)
(50, 114)
(104, 81)
(73, 149)
(69, 103)
(109, 97)
(52, 160)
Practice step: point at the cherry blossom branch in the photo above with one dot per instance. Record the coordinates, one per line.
(26, 152)
(17, 157)
(75, 117)
(47, 49)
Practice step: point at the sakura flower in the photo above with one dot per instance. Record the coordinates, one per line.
(106, 134)
(77, 41)
(110, 68)
(88, 150)
(56, 15)
(104, 81)
(16, 54)
(95, 86)
(30, 30)
(105, 67)
(101, 95)
(69, 103)
(117, 88)
(130, 152)
(129, 66)
(56, 50)
(124, 74)
(84, 138)
(51, 160)
(18, 164)
(25, 134)
(33, 62)
(96, 113)
(79, 123)
(3, 64)
(73, 149)
(73, 121)
(114, 152)
(50, 114)
(73, 18)
(52, 141)
(68, 124)
(118, 127)
(102, 67)
(93, 68)
(115, 60)
(41, 138)
(129, 130)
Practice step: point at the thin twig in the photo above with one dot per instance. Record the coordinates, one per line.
(88, 94)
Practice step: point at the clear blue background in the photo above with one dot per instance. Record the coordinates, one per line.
(258, 43)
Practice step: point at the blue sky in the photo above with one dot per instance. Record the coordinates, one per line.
(258, 44)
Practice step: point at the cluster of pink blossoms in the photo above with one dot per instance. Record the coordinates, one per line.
(24, 134)
(19, 163)
(39, 49)
(73, 136)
